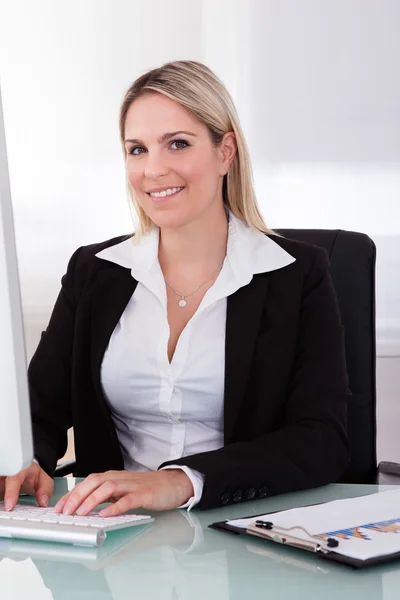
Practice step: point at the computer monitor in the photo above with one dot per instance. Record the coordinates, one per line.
(15, 419)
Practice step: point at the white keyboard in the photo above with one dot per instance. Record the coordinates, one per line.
(44, 524)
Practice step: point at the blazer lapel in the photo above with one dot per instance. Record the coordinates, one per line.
(113, 289)
(244, 310)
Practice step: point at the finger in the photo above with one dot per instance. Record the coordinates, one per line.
(101, 494)
(44, 489)
(127, 502)
(58, 507)
(113, 475)
(71, 501)
(29, 484)
(79, 494)
(12, 490)
(110, 491)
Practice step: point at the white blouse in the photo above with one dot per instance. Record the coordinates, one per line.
(161, 410)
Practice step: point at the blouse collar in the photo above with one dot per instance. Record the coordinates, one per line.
(248, 251)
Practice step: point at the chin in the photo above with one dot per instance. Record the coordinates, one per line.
(170, 221)
(169, 217)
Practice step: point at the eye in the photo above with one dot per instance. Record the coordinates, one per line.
(175, 145)
(139, 150)
(179, 144)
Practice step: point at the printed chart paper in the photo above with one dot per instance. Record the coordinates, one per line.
(365, 527)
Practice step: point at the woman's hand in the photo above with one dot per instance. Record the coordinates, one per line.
(162, 490)
(33, 481)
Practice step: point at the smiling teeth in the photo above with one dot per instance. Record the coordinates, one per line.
(167, 192)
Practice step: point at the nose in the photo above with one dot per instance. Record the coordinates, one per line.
(154, 165)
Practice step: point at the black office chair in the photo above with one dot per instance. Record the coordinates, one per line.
(352, 257)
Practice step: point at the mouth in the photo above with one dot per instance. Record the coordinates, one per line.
(162, 195)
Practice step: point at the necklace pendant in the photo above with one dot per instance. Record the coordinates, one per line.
(182, 303)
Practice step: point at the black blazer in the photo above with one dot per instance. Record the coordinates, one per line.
(286, 386)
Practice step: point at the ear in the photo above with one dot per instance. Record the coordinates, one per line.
(228, 148)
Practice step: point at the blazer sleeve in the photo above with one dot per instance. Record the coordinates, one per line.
(311, 448)
(49, 377)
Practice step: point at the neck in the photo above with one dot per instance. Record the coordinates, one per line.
(197, 248)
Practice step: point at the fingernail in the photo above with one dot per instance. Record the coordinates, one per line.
(104, 513)
(82, 509)
(8, 504)
(59, 506)
(68, 508)
(44, 500)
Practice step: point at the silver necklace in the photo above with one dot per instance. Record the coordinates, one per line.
(182, 302)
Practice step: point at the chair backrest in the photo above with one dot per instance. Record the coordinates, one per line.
(352, 257)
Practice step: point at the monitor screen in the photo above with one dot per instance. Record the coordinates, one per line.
(15, 421)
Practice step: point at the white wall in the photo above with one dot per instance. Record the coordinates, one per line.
(64, 69)
(316, 85)
(325, 126)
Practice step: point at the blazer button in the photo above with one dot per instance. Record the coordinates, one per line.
(250, 493)
(225, 498)
(263, 491)
(237, 496)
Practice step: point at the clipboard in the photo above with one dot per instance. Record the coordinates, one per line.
(297, 536)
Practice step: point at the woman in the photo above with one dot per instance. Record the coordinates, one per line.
(201, 361)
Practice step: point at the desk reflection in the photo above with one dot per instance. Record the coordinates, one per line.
(179, 558)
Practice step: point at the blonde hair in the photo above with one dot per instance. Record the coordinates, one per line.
(197, 88)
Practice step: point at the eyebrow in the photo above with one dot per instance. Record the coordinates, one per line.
(162, 138)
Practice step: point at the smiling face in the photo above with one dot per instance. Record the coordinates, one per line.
(173, 167)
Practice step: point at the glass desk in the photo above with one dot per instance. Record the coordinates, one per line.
(179, 558)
